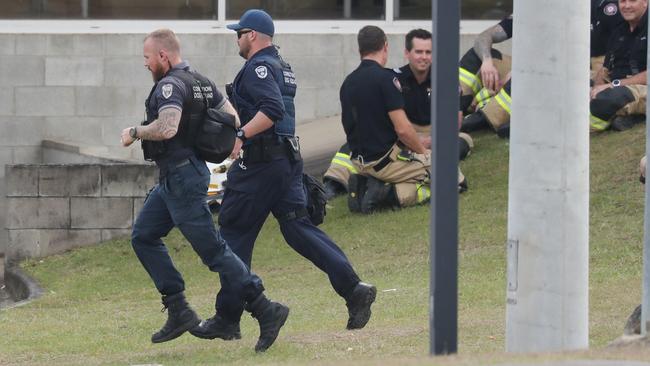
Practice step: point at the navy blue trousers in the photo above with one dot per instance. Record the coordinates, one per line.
(275, 187)
(179, 200)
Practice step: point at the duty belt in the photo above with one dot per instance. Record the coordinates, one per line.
(268, 149)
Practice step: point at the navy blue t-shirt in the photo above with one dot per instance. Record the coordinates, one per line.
(506, 24)
(417, 96)
(367, 95)
(605, 17)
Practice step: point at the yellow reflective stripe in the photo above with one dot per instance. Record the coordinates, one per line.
(342, 155)
(469, 79)
(424, 193)
(504, 100)
(597, 123)
(482, 97)
(344, 162)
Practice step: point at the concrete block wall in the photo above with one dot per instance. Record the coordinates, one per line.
(53, 208)
(85, 88)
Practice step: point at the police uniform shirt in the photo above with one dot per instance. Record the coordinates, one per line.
(367, 95)
(171, 92)
(626, 50)
(605, 17)
(506, 24)
(417, 97)
(255, 84)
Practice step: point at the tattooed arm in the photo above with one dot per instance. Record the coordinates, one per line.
(163, 128)
(483, 48)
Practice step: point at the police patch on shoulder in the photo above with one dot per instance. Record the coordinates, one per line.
(261, 72)
(397, 84)
(167, 90)
(610, 9)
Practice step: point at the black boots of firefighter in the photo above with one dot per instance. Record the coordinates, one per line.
(356, 189)
(333, 188)
(180, 318)
(271, 317)
(474, 122)
(358, 303)
(378, 195)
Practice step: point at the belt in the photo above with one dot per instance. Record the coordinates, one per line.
(382, 163)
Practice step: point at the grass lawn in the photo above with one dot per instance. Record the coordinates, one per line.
(100, 306)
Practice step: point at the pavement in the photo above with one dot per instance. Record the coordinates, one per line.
(319, 140)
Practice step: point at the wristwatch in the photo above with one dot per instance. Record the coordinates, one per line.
(616, 82)
(133, 132)
(241, 135)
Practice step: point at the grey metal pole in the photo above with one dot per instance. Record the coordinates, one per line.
(645, 293)
(443, 301)
(84, 9)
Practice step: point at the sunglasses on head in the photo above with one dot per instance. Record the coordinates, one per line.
(242, 32)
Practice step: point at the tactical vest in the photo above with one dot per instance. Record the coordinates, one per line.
(286, 80)
(201, 95)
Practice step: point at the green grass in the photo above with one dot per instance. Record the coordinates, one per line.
(100, 306)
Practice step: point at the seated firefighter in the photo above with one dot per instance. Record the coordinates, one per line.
(392, 161)
(484, 76)
(618, 97)
(415, 81)
(495, 111)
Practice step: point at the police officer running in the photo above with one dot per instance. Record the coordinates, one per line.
(175, 101)
(619, 94)
(415, 81)
(268, 179)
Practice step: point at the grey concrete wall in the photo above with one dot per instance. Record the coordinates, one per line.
(53, 208)
(85, 88)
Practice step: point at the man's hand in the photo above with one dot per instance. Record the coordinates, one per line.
(597, 89)
(489, 75)
(236, 149)
(426, 142)
(126, 138)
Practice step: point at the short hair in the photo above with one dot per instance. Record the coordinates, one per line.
(371, 39)
(166, 39)
(416, 33)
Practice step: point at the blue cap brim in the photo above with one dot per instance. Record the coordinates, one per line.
(234, 27)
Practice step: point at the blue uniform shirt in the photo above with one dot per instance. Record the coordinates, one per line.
(255, 89)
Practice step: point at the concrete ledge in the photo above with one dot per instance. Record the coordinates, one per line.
(21, 288)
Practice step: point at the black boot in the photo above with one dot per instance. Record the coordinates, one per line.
(271, 317)
(217, 327)
(378, 195)
(180, 318)
(359, 303)
(504, 131)
(474, 122)
(332, 188)
(622, 123)
(356, 191)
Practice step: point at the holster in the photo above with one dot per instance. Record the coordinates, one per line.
(268, 148)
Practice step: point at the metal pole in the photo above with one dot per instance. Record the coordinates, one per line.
(221, 11)
(347, 9)
(443, 301)
(645, 293)
(389, 7)
(548, 188)
(84, 9)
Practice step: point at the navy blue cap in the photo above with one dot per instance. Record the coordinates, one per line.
(255, 19)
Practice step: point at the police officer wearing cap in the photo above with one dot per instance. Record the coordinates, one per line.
(267, 178)
(178, 200)
(619, 94)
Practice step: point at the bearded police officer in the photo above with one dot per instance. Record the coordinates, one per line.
(179, 197)
(619, 95)
(415, 81)
(268, 178)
